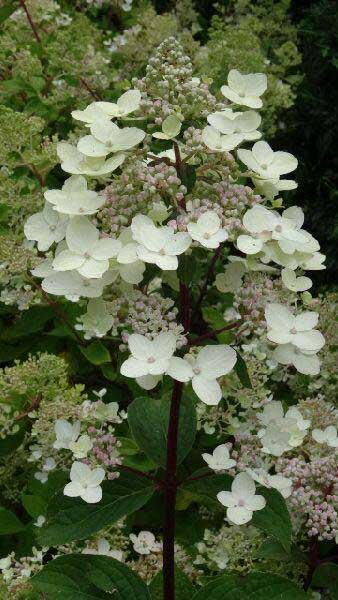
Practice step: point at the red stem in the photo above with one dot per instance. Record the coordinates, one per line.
(170, 496)
(210, 273)
(158, 482)
(211, 334)
(170, 480)
(30, 21)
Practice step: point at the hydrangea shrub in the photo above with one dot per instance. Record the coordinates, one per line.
(198, 455)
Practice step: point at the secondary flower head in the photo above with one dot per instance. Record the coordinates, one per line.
(85, 482)
(66, 433)
(242, 501)
(81, 447)
(103, 549)
(126, 104)
(158, 245)
(294, 283)
(74, 198)
(207, 231)
(73, 286)
(327, 436)
(282, 484)
(46, 227)
(281, 432)
(285, 328)
(86, 253)
(220, 459)
(245, 89)
(149, 357)
(77, 163)
(267, 163)
(235, 127)
(107, 137)
(145, 542)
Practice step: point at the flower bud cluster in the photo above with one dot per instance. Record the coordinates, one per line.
(149, 315)
(251, 299)
(169, 87)
(315, 495)
(229, 201)
(135, 191)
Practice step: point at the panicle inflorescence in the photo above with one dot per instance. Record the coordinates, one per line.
(169, 86)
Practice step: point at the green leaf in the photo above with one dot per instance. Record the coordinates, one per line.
(7, 11)
(255, 586)
(204, 486)
(183, 587)
(34, 505)
(9, 522)
(87, 577)
(32, 320)
(326, 576)
(12, 442)
(272, 549)
(242, 372)
(274, 519)
(188, 177)
(148, 420)
(71, 519)
(96, 353)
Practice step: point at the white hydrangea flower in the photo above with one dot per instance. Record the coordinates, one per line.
(145, 542)
(171, 127)
(107, 137)
(208, 230)
(74, 198)
(294, 283)
(148, 382)
(76, 163)
(285, 328)
(237, 127)
(85, 482)
(149, 357)
(103, 549)
(282, 484)
(242, 501)
(40, 521)
(158, 245)
(81, 447)
(265, 162)
(231, 279)
(74, 286)
(211, 362)
(220, 459)
(271, 187)
(305, 362)
(66, 433)
(86, 253)
(48, 466)
(46, 227)
(127, 103)
(266, 225)
(326, 436)
(127, 263)
(97, 321)
(217, 142)
(281, 432)
(245, 89)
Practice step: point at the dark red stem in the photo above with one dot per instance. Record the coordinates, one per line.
(170, 496)
(208, 278)
(30, 21)
(155, 480)
(211, 334)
